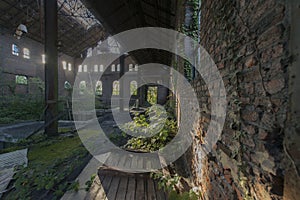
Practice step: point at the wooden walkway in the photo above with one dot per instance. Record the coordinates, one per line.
(117, 183)
(111, 184)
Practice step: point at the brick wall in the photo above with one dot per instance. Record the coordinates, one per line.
(12, 65)
(248, 40)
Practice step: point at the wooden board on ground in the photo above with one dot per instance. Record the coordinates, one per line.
(119, 185)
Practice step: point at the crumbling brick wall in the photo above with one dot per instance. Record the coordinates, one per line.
(248, 40)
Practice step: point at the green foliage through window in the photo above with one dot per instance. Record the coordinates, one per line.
(22, 80)
(152, 95)
(116, 88)
(133, 88)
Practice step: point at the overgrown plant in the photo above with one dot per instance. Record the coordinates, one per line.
(89, 183)
(142, 126)
(170, 183)
(166, 182)
(48, 174)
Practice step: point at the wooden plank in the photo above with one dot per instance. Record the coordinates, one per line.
(101, 177)
(160, 194)
(116, 157)
(128, 162)
(134, 163)
(122, 190)
(110, 160)
(156, 163)
(140, 163)
(140, 189)
(130, 195)
(113, 188)
(151, 190)
(148, 165)
(106, 183)
(122, 162)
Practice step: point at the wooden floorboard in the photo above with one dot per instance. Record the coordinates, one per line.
(119, 185)
(122, 190)
(140, 189)
(131, 189)
(106, 183)
(151, 195)
(112, 192)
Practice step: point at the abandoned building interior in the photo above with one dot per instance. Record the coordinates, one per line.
(86, 114)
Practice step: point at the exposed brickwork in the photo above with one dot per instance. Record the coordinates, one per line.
(248, 42)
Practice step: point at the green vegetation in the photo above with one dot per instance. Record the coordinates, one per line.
(141, 123)
(192, 30)
(190, 195)
(90, 182)
(152, 95)
(166, 182)
(169, 183)
(18, 108)
(52, 163)
(21, 80)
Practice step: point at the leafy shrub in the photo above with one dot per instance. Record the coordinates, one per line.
(142, 126)
(169, 184)
(47, 171)
(89, 183)
(166, 182)
(18, 108)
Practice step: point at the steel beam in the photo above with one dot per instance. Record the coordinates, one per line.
(51, 67)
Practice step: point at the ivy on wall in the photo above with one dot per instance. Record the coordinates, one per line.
(192, 29)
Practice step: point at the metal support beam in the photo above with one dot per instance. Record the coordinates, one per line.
(51, 67)
(122, 71)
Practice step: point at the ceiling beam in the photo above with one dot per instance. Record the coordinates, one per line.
(159, 7)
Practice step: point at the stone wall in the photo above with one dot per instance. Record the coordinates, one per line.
(248, 40)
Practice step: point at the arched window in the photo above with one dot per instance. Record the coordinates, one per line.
(130, 67)
(26, 53)
(80, 68)
(21, 80)
(85, 68)
(69, 66)
(64, 64)
(133, 88)
(15, 49)
(82, 87)
(101, 68)
(113, 68)
(95, 68)
(98, 90)
(116, 88)
(43, 58)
